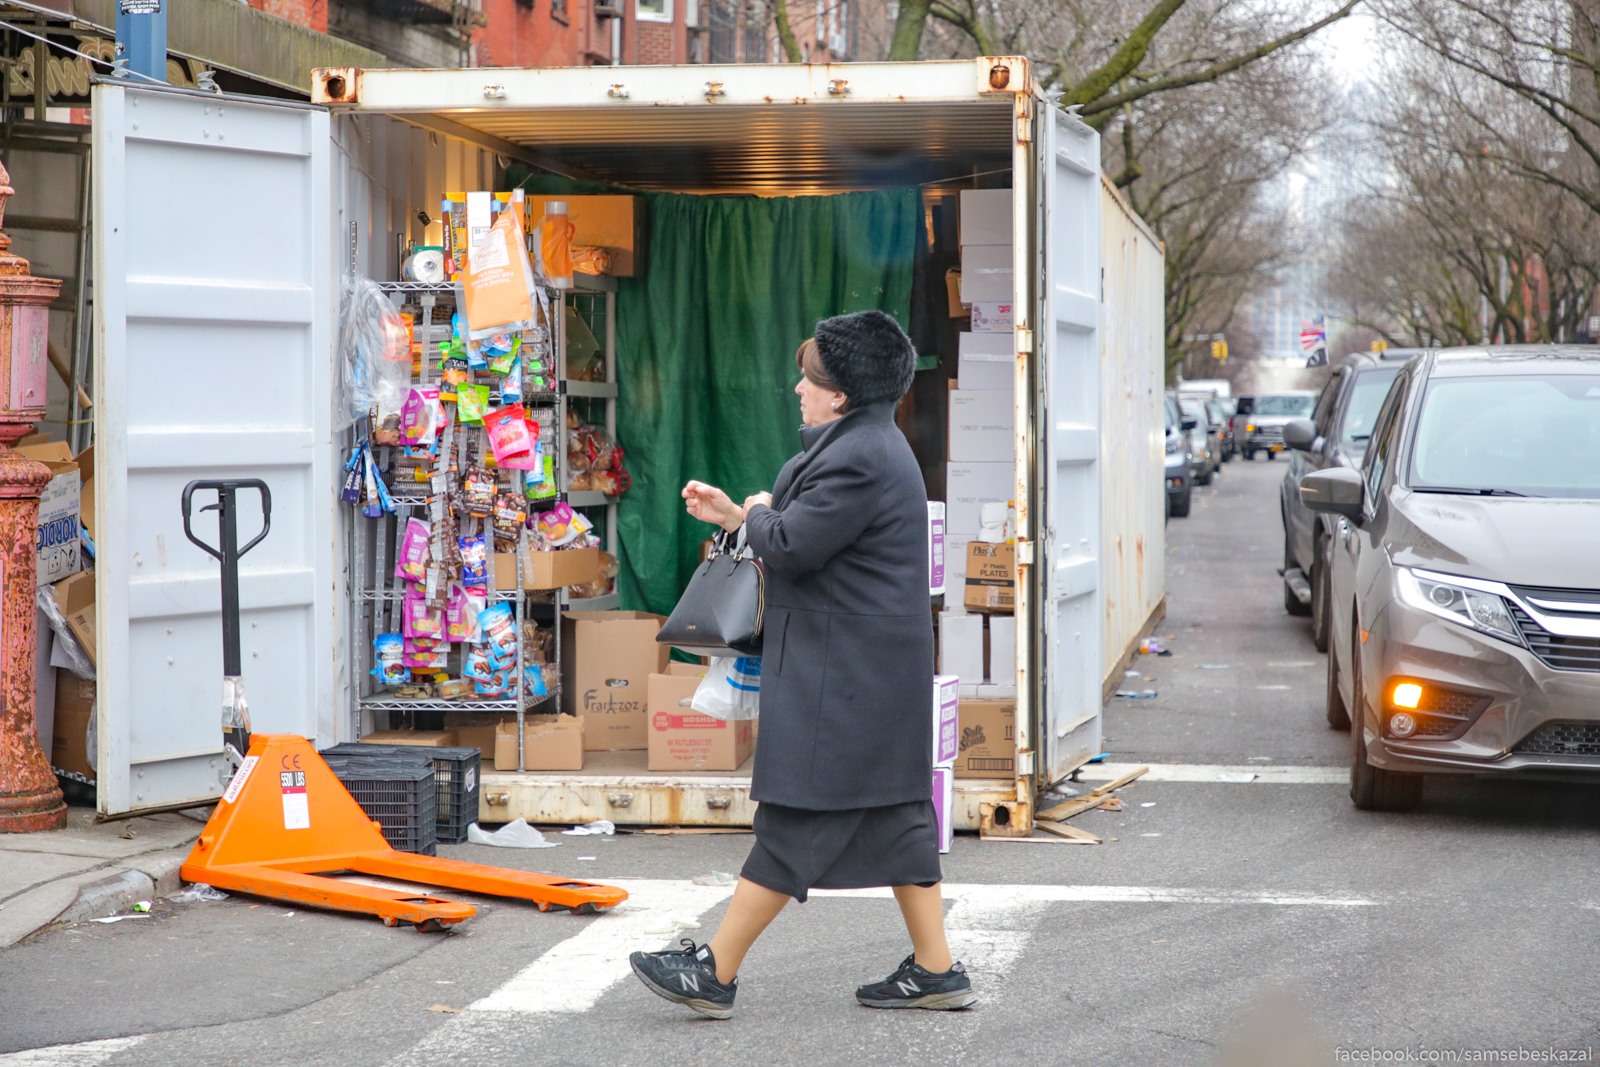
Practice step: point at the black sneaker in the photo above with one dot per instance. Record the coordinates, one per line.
(686, 976)
(915, 987)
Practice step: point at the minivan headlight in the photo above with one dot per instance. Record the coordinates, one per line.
(1458, 602)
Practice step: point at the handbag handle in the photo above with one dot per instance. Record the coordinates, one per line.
(721, 546)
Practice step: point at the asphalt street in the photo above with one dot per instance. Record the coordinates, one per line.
(1238, 917)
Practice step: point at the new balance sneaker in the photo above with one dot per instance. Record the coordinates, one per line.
(686, 976)
(915, 987)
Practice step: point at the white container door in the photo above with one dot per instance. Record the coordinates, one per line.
(213, 316)
(1067, 458)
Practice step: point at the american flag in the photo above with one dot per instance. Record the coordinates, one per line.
(1313, 333)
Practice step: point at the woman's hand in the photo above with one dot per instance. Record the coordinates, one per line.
(710, 504)
(764, 499)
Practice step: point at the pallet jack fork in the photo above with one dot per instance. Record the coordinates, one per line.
(286, 822)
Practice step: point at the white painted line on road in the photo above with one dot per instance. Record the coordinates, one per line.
(1217, 773)
(573, 975)
(82, 1054)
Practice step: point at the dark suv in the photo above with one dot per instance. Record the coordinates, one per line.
(1335, 435)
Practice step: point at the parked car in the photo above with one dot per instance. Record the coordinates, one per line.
(1217, 413)
(1464, 599)
(1179, 480)
(1335, 435)
(1204, 442)
(1263, 427)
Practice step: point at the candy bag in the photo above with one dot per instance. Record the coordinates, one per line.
(509, 516)
(419, 618)
(499, 628)
(474, 561)
(426, 659)
(388, 651)
(411, 561)
(480, 488)
(497, 684)
(419, 421)
(476, 663)
(511, 387)
(508, 432)
(461, 613)
(472, 403)
(452, 375)
(533, 681)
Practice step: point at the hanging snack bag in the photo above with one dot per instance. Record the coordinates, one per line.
(452, 375)
(388, 652)
(461, 613)
(480, 488)
(509, 516)
(420, 419)
(508, 432)
(533, 681)
(474, 561)
(496, 685)
(499, 628)
(426, 659)
(472, 404)
(412, 559)
(511, 387)
(419, 618)
(476, 663)
(498, 283)
(544, 486)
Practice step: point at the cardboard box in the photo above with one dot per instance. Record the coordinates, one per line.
(75, 598)
(478, 731)
(85, 460)
(59, 550)
(549, 743)
(993, 316)
(968, 486)
(991, 577)
(1001, 655)
(944, 795)
(982, 422)
(607, 660)
(427, 738)
(961, 647)
(72, 746)
(682, 739)
(955, 573)
(615, 223)
(936, 548)
(985, 217)
(986, 274)
(547, 570)
(952, 288)
(988, 739)
(987, 361)
(946, 719)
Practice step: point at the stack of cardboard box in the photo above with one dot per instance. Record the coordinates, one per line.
(946, 747)
(976, 629)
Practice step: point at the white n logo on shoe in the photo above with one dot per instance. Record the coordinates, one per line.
(690, 982)
(908, 987)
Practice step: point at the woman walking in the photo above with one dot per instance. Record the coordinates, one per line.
(843, 771)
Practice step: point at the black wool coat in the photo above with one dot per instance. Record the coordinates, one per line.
(847, 649)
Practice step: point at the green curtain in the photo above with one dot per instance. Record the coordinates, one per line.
(706, 340)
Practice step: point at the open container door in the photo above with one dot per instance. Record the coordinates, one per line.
(213, 316)
(1066, 457)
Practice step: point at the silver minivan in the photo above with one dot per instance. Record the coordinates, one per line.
(1464, 612)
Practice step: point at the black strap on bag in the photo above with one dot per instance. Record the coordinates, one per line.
(721, 611)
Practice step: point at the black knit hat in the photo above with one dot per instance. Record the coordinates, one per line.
(867, 355)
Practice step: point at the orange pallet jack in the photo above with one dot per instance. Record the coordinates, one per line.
(286, 823)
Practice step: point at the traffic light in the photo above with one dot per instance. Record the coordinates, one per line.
(1219, 351)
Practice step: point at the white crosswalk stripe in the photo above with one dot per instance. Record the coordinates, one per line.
(82, 1054)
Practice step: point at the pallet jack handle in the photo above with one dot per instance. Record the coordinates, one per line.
(228, 552)
(235, 710)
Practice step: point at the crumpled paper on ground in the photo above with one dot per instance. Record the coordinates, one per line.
(517, 834)
(599, 826)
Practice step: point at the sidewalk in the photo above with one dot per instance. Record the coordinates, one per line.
(88, 870)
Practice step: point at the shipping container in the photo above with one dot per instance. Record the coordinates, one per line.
(224, 224)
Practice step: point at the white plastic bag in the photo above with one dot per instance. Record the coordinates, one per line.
(731, 688)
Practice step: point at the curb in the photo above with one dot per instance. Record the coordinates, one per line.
(151, 877)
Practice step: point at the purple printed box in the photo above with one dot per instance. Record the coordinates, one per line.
(946, 719)
(936, 548)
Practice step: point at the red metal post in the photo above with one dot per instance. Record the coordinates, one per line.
(30, 799)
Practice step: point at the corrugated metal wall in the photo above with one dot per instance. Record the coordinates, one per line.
(1132, 496)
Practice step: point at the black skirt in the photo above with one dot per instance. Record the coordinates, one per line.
(798, 850)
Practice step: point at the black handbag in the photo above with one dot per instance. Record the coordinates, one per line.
(721, 611)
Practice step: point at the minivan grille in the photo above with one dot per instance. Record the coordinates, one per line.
(1554, 650)
(1562, 739)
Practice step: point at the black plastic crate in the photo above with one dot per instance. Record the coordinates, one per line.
(456, 771)
(400, 794)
